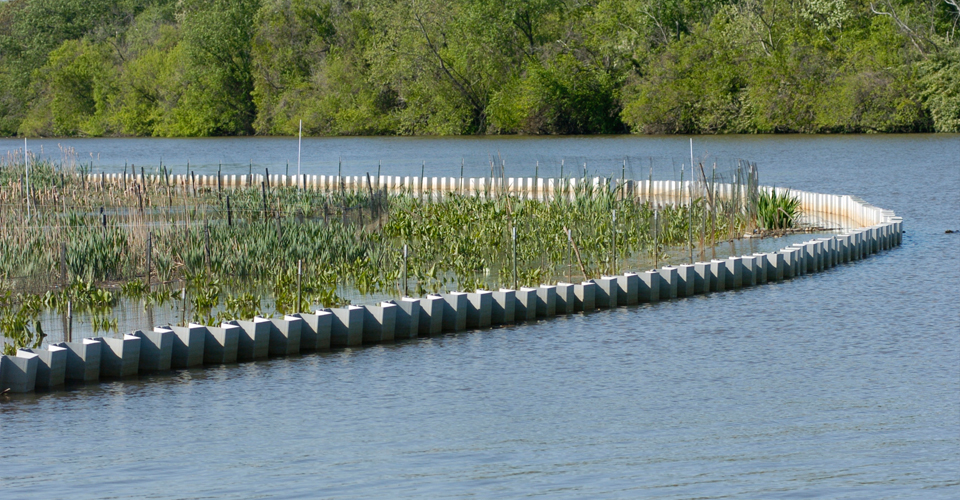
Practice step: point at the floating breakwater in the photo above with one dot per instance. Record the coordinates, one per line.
(869, 230)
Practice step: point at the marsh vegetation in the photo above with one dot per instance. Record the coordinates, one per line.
(69, 241)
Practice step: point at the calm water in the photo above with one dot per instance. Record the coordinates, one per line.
(843, 384)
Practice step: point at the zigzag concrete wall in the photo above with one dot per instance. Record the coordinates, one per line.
(868, 230)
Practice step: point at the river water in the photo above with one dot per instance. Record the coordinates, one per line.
(842, 384)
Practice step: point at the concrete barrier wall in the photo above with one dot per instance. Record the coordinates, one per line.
(119, 358)
(315, 330)
(221, 344)
(51, 366)
(197, 345)
(156, 350)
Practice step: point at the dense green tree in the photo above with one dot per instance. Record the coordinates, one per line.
(236, 67)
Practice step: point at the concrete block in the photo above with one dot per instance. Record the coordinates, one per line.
(607, 291)
(51, 366)
(119, 358)
(565, 298)
(285, 336)
(315, 330)
(407, 324)
(83, 360)
(749, 277)
(702, 276)
(479, 309)
(791, 262)
(431, 315)
(347, 326)
(525, 307)
(803, 258)
(585, 297)
(650, 286)
(455, 312)
(19, 373)
(504, 306)
(820, 254)
(379, 323)
(843, 248)
(760, 267)
(827, 252)
(254, 340)
(718, 275)
(853, 250)
(734, 274)
(156, 350)
(220, 344)
(628, 289)
(686, 280)
(810, 254)
(669, 282)
(546, 301)
(775, 266)
(188, 343)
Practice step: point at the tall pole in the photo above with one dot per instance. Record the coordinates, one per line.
(26, 165)
(405, 270)
(514, 257)
(613, 244)
(299, 142)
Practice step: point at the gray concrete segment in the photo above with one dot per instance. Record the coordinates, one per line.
(546, 301)
(407, 318)
(628, 289)
(686, 280)
(315, 330)
(718, 275)
(733, 278)
(285, 336)
(525, 307)
(431, 315)
(565, 298)
(19, 373)
(503, 307)
(156, 350)
(379, 323)
(702, 277)
(479, 309)
(455, 312)
(748, 276)
(669, 282)
(188, 343)
(585, 297)
(347, 326)
(220, 344)
(83, 360)
(254, 340)
(119, 358)
(51, 366)
(650, 286)
(606, 292)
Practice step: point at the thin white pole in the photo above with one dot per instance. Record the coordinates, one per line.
(299, 141)
(691, 157)
(26, 165)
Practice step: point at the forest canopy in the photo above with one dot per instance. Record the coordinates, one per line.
(174, 68)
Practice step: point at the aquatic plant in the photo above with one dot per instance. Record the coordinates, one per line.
(778, 211)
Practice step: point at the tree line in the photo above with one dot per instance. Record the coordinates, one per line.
(173, 68)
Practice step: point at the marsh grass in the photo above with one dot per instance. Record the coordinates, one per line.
(228, 248)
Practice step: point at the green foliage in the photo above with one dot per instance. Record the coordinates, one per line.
(237, 67)
(778, 211)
